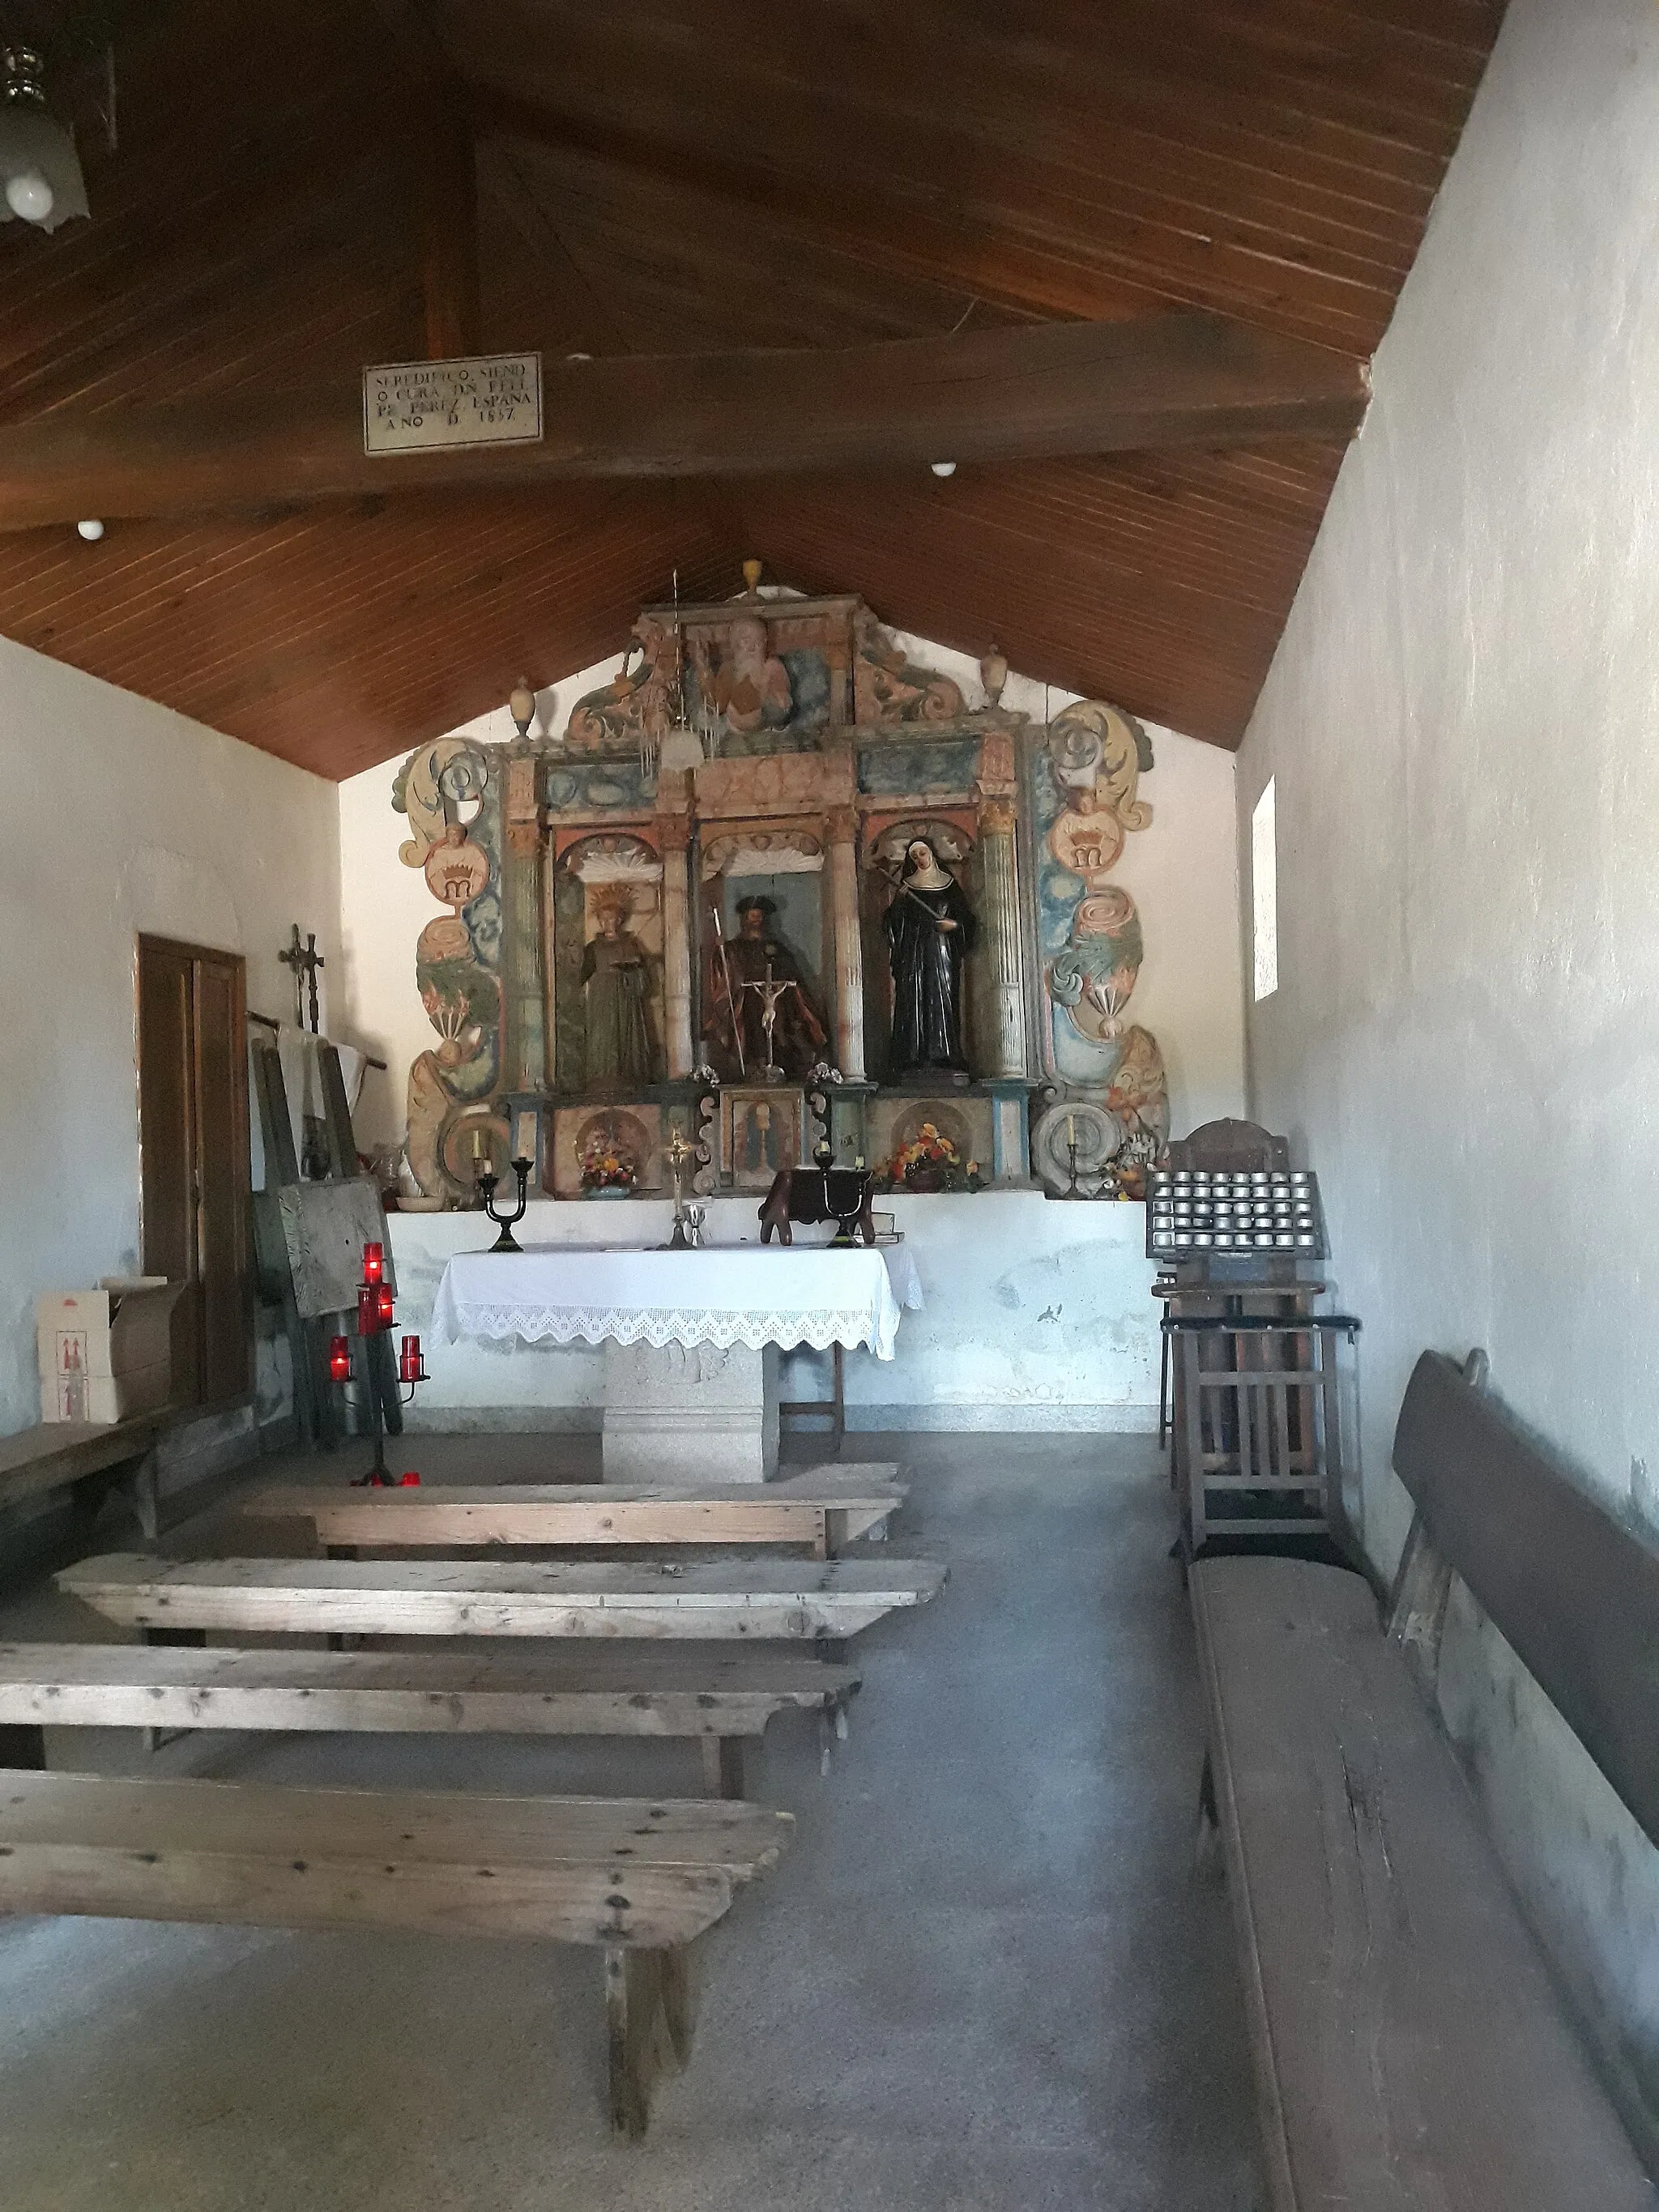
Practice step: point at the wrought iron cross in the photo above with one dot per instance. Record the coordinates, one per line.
(305, 960)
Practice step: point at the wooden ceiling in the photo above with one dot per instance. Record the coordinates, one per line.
(680, 176)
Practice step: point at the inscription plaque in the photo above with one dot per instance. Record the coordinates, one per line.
(413, 405)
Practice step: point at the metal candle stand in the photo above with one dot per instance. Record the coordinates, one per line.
(375, 1318)
(845, 1202)
(1252, 1397)
(485, 1183)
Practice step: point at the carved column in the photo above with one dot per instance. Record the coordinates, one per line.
(675, 831)
(842, 824)
(523, 1066)
(1000, 924)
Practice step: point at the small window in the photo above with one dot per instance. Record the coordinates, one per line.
(1264, 894)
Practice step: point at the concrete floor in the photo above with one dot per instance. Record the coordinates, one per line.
(986, 1976)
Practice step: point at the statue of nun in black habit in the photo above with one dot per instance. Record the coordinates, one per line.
(930, 932)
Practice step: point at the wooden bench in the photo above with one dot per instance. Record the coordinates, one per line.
(92, 1458)
(723, 1699)
(825, 1510)
(1411, 2052)
(638, 1879)
(804, 1600)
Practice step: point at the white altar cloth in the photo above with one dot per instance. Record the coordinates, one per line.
(753, 1295)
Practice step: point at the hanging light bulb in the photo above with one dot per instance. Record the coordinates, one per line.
(29, 196)
(39, 167)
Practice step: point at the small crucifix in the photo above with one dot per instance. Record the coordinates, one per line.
(770, 992)
(305, 960)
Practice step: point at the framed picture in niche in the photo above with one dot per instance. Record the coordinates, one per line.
(760, 1132)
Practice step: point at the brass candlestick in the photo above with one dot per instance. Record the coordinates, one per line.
(676, 1152)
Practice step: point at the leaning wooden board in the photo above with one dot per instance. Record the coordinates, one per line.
(637, 1877)
(825, 1510)
(1412, 2054)
(777, 1599)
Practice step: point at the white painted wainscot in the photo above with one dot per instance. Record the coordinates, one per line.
(1039, 1315)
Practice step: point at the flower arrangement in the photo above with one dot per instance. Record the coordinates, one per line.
(607, 1164)
(932, 1162)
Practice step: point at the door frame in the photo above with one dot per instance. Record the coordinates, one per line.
(242, 1163)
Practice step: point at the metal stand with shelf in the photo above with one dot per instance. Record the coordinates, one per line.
(1250, 1398)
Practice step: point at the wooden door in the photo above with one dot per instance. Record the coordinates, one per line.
(192, 1106)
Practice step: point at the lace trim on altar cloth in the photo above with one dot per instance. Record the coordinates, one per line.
(663, 1325)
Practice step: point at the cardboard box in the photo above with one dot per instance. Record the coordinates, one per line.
(105, 1354)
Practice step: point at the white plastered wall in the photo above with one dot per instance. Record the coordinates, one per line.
(1182, 871)
(1461, 723)
(122, 818)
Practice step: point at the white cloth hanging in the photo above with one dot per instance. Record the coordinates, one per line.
(300, 1055)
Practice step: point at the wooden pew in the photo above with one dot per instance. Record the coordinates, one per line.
(823, 1509)
(782, 1600)
(638, 1879)
(1411, 2049)
(91, 1458)
(722, 1698)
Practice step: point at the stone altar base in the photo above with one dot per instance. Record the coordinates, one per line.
(690, 1416)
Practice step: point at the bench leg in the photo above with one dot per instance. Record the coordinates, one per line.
(184, 1639)
(679, 2003)
(337, 1639)
(647, 2027)
(23, 1744)
(1209, 1820)
(722, 1765)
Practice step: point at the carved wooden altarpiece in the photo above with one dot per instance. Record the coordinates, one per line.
(758, 769)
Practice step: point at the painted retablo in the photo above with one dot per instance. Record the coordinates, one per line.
(773, 885)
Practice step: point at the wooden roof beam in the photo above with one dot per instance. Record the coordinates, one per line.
(1039, 389)
(439, 156)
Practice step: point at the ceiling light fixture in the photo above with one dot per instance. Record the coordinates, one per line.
(92, 530)
(39, 167)
(943, 468)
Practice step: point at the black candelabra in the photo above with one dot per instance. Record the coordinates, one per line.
(486, 1181)
(374, 1316)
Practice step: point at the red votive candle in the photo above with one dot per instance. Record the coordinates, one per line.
(408, 1367)
(373, 1263)
(340, 1359)
(383, 1305)
(410, 1482)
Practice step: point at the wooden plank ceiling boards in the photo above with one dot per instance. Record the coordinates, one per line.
(678, 176)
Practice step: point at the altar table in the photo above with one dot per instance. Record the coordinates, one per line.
(691, 1339)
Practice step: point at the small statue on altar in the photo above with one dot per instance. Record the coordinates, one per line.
(615, 985)
(749, 976)
(930, 932)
